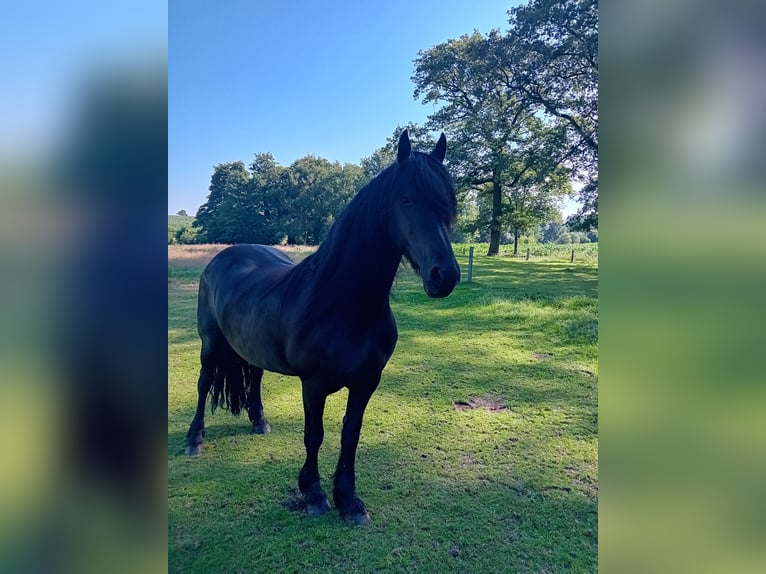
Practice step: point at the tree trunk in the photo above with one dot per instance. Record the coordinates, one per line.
(494, 226)
(515, 242)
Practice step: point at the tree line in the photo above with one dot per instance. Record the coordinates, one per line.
(269, 203)
(520, 111)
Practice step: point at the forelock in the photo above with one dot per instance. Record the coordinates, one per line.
(434, 183)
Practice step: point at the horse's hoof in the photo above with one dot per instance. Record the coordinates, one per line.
(317, 509)
(193, 449)
(261, 428)
(314, 499)
(357, 519)
(352, 510)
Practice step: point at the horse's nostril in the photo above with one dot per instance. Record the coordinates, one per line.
(436, 275)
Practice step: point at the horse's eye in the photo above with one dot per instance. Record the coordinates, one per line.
(406, 200)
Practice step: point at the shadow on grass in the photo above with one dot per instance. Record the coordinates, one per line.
(228, 516)
(224, 430)
(487, 492)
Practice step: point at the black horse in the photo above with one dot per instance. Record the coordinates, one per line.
(326, 320)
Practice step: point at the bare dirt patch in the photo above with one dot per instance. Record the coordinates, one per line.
(467, 459)
(294, 501)
(492, 403)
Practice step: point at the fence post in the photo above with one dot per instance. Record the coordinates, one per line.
(527, 253)
(470, 264)
(571, 259)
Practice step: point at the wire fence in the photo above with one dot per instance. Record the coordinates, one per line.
(537, 251)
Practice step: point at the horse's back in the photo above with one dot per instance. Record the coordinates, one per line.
(244, 258)
(241, 298)
(240, 272)
(240, 263)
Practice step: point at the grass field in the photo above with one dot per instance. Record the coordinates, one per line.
(479, 451)
(176, 222)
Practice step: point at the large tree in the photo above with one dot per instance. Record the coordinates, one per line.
(498, 145)
(380, 159)
(271, 198)
(551, 52)
(222, 217)
(532, 201)
(319, 189)
(271, 203)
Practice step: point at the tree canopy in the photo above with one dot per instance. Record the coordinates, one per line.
(520, 111)
(499, 146)
(269, 203)
(554, 47)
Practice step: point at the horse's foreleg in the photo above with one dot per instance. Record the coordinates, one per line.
(349, 505)
(313, 435)
(255, 408)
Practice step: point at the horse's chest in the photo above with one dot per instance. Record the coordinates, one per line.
(348, 352)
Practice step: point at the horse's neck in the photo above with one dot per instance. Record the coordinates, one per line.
(363, 270)
(358, 263)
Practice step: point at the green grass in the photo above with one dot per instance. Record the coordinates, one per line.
(508, 490)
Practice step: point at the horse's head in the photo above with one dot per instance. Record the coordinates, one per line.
(423, 209)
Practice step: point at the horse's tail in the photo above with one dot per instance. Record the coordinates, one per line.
(233, 380)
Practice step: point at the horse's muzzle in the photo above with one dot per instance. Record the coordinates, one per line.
(441, 280)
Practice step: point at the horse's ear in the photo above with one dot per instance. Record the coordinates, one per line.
(405, 148)
(440, 151)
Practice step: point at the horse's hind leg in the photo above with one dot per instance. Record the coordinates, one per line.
(209, 359)
(255, 408)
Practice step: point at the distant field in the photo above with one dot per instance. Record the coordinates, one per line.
(479, 451)
(540, 251)
(176, 222)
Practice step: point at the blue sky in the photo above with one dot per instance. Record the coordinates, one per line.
(294, 78)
